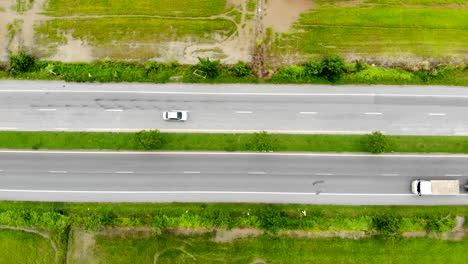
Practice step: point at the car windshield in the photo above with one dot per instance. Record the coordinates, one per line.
(179, 115)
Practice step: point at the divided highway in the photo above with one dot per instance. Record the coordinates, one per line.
(225, 177)
(350, 109)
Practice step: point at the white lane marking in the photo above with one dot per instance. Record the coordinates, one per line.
(373, 113)
(257, 172)
(243, 112)
(389, 174)
(113, 110)
(1, 170)
(323, 174)
(436, 114)
(234, 153)
(46, 109)
(61, 128)
(8, 128)
(207, 192)
(231, 93)
(191, 172)
(308, 113)
(55, 171)
(124, 172)
(453, 175)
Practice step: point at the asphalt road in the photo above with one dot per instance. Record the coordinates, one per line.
(225, 177)
(351, 109)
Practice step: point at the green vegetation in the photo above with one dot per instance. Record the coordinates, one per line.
(230, 142)
(183, 8)
(60, 218)
(382, 29)
(23, 247)
(22, 6)
(208, 67)
(311, 72)
(21, 62)
(270, 249)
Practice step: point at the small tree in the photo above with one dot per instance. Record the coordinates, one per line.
(376, 142)
(21, 62)
(262, 141)
(312, 69)
(332, 68)
(149, 139)
(208, 66)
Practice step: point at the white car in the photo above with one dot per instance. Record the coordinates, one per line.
(175, 116)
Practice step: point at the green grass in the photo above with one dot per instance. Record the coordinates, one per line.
(202, 249)
(23, 247)
(230, 142)
(112, 36)
(379, 31)
(181, 8)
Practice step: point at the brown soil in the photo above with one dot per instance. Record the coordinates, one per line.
(74, 51)
(235, 233)
(82, 247)
(281, 14)
(126, 232)
(305, 234)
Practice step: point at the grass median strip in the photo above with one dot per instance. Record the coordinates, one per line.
(227, 142)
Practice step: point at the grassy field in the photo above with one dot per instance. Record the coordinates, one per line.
(183, 8)
(228, 142)
(23, 247)
(382, 30)
(265, 249)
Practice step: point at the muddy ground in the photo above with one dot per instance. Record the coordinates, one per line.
(279, 15)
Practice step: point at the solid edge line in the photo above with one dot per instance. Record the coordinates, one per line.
(204, 192)
(232, 93)
(313, 154)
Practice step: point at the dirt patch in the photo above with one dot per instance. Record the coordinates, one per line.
(75, 50)
(235, 233)
(347, 3)
(187, 231)
(7, 15)
(281, 14)
(305, 234)
(127, 232)
(82, 247)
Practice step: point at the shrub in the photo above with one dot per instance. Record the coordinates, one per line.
(210, 67)
(359, 66)
(149, 139)
(241, 69)
(333, 68)
(291, 73)
(439, 223)
(21, 62)
(312, 69)
(376, 142)
(388, 225)
(262, 141)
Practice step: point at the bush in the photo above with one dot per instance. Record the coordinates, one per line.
(312, 69)
(262, 141)
(149, 139)
(439, 223)
(291, 73)
(333, 68)
(376, 142)
(210, 67)
(21, 62)
(388, 225)
(241, 69)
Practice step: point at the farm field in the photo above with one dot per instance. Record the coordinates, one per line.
(384, 31)
(208, 248)
(84, 30)
(23, 247)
